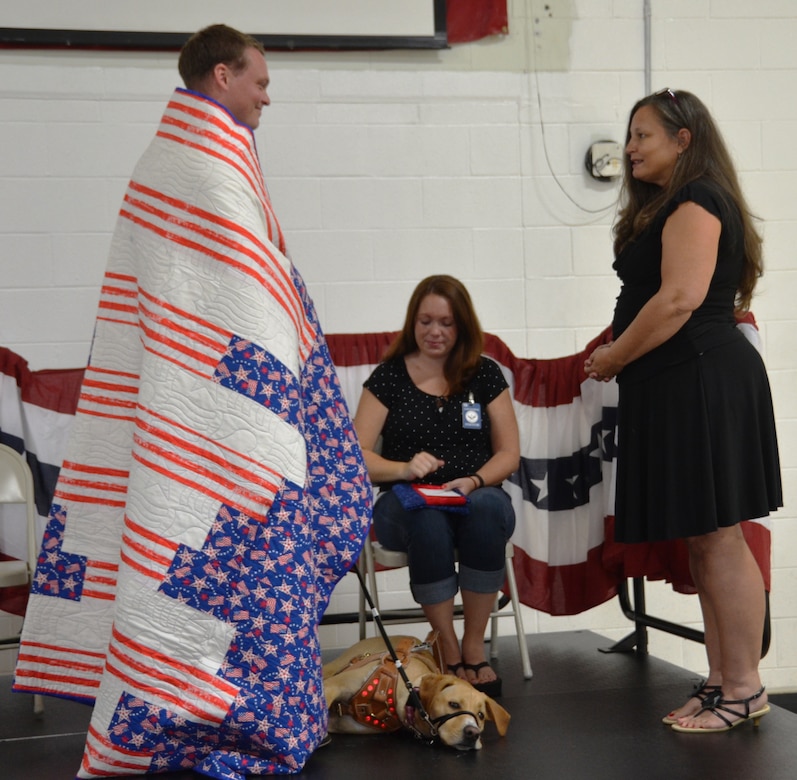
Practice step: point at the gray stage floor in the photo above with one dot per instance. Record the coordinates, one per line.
(584, 714)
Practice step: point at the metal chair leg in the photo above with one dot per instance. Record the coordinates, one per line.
(521, 635)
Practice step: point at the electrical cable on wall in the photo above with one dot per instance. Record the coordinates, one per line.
(585, 209)
(555, 177)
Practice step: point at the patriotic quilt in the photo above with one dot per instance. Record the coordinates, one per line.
(211, 493)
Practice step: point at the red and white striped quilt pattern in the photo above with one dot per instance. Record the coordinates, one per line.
(212, 491)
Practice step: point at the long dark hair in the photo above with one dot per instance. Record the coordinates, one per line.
(706, 157)
(463, 360)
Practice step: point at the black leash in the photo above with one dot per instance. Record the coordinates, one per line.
(414, 699)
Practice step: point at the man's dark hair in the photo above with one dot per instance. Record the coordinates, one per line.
(210, 46)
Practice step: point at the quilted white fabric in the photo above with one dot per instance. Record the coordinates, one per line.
(213, 492)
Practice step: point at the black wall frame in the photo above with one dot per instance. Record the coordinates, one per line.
(12, 37)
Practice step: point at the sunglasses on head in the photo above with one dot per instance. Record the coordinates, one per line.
(677, 109)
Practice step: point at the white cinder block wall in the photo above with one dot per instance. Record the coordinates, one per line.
(387, 166)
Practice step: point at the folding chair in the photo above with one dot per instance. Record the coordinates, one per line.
(16, 487)
(377, 557)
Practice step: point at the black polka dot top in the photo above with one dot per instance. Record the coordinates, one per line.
(417, 421)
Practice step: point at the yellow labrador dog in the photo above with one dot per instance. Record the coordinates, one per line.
(366, 694)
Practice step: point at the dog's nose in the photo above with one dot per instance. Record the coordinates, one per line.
(471, 733)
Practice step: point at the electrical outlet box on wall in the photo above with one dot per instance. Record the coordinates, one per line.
(604, 160)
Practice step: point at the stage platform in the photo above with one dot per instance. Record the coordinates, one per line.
(584, 714)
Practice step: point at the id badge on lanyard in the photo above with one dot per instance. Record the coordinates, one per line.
(471, 414)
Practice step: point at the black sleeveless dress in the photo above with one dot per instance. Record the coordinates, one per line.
(697, 447)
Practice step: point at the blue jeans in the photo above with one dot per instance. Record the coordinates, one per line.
(431, 536)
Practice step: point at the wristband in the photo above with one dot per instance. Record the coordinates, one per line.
(479, 478)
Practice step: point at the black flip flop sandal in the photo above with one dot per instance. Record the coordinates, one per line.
(491, 688)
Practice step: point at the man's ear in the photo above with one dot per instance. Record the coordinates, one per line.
(221, 76)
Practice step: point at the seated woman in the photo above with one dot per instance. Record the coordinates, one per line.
(445, 416)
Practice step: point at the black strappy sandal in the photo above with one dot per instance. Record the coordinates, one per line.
(721, 704)
(704, 694)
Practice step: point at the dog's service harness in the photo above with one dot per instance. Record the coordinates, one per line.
(433, 651)
(374, 705)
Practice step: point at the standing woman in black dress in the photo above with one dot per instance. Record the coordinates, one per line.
(697, 449)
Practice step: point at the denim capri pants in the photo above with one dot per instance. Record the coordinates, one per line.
(430, 538)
